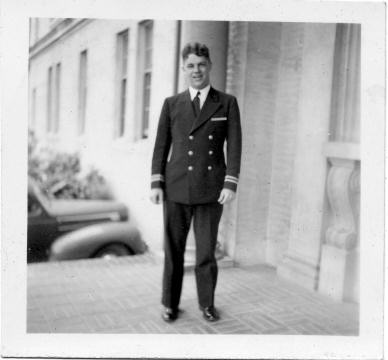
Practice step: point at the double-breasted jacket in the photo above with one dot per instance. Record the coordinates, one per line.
(190, 161)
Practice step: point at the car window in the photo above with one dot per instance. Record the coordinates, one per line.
(34, 208)
(39, 194)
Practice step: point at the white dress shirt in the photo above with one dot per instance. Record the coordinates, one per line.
(202, 96)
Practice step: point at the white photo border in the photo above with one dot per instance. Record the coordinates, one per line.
(17, 342)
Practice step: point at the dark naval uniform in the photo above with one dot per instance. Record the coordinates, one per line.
(190, 165)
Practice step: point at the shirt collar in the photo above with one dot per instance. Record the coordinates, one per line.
(204, 92)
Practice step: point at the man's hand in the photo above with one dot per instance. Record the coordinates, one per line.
(226, 196)
(156, 196)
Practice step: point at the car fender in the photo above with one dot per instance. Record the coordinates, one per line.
(84, 243)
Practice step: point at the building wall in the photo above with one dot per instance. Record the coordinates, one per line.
(282, 75)
(290, 86)
(129, 171)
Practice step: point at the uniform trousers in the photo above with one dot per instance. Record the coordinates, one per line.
(177, 220)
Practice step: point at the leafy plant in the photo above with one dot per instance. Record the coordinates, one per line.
(58, 174)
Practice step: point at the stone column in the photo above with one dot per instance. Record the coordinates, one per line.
(301, 261)
(284, 143)
(215, 35)
(339, 275)
(253, 72)
(235, 84)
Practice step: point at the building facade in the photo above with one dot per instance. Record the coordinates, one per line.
(97, 86)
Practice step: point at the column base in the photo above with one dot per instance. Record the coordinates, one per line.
(298, 271)
(337, 267)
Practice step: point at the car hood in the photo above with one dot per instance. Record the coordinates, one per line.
(60, 208)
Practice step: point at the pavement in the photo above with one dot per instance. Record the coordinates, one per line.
(122, 295)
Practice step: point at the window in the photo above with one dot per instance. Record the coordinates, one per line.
(34, 208)
(57, 97)
(82, 91)
(146, 34)
(53, 98)
(122, 68)
(49, 99)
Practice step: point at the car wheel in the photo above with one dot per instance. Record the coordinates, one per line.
(112, 251)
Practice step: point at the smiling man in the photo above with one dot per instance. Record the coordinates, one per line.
(191, 178)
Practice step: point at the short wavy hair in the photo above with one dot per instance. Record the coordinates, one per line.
(196, 49)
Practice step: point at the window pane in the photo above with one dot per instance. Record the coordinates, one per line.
(122, 106)
(122, 62)
(124, 53)
(57, 97)
(49, 99)
(146, 104)
(82, 92)
(148, 45)
(147, 42)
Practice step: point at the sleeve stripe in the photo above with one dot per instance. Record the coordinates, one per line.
(231, 180)
(157, 177)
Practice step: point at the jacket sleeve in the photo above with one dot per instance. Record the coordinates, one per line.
(233, 149)
(161, 148)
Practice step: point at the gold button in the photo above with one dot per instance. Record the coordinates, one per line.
(191, 137)
(210, 152)
(191, 153)
(209, 168)
(210, 137)
(190, 168)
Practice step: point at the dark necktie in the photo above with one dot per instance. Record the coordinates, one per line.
(197, 108)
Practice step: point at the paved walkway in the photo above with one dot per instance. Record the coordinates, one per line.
(122, 296)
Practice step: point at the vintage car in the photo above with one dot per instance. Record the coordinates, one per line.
(74, 229)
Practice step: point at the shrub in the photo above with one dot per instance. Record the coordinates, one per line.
(58, 174)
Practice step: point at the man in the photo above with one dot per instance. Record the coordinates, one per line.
(190, 177)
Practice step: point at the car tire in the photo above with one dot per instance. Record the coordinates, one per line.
(113, 250)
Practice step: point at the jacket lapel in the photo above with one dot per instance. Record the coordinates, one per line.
(210, 106)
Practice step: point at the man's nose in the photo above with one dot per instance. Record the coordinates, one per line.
(196, 68)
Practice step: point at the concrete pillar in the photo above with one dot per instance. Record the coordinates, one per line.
(260, 65)
(301, 262)
(235, 84)
(215, 35)
(284, 143)
(339, 276)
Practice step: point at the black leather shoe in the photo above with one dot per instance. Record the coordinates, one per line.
(210, 313)
(169, 314)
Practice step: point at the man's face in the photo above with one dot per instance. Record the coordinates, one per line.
(197, 71)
